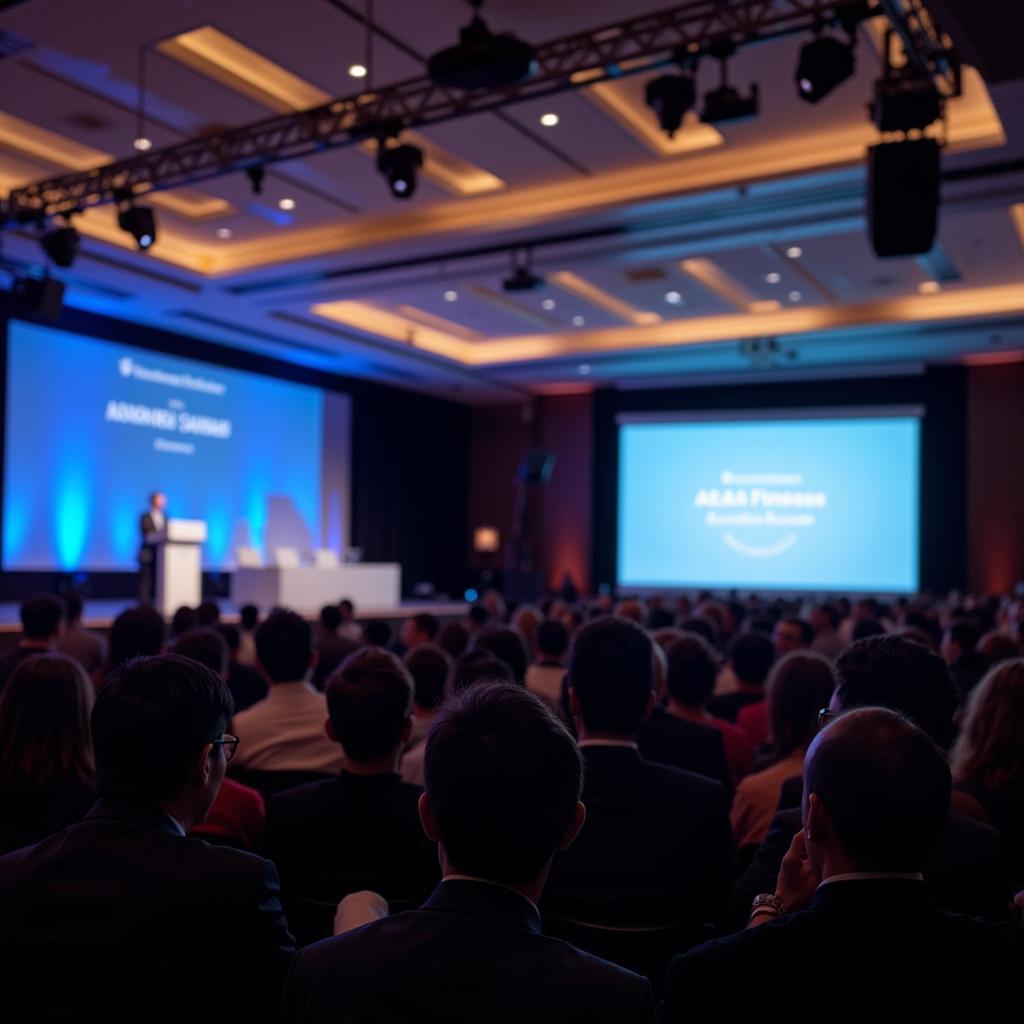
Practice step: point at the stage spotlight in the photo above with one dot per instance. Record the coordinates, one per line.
(727, 103)
(482, 59)
(522, 279)
(399, 165)
(904, 102)
(670, 97)
(61, 245)
(140, 223)
(824, 64)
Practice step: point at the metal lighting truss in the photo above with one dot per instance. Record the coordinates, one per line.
(628, 47)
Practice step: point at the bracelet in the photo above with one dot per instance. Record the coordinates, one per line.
(768, 903)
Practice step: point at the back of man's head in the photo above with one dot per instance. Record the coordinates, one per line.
(752, 655)
(73, 606)
(151, 722)
(208, 613)
(503, 777)
(611, 672)
(284, 646)
(965, 634)
(330, 618)
(41, 616)
(692, 670)
(552, 639)
(429, 666)
(477, 666)
(135, 633)
(898, 673)
(248, 616)
(369, 700)
(377, 633)
(506, 644)
(206, 646)
(885, 787)
(426, 624)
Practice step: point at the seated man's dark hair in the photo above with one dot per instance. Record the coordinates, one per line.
(248, 616)
(660, 618)
(453, 639)
(73, 605)
(232, 636)
(885, 785)
(135, 633)
(183, 619)
(752, 656)
(369, 700)
(506, 644)
(429, 667)
(692, 670)
(377, 633)
(427, 624)
(330, 617)
(503, 777)
(284, 645)
(150, 723)
(899, 673)
(208, 613)
(702, 627)
(206, 646)
(41, 616)
(863, 628)
(965, 634)
(552, 638)
(611, 671)
(477, 666)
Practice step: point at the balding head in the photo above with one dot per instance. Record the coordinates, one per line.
(876, 794)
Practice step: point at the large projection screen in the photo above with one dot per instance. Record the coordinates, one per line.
(818, 500)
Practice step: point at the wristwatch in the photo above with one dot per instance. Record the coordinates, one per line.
(768, 903)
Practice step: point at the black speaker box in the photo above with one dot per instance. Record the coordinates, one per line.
(903, 196)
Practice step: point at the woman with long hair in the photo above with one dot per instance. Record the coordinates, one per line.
(46, 764)
(988, 757)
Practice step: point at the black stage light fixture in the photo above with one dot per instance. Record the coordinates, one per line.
(140, 223)
(903, 196)
(670, 97)
(522, 278)
(727, 103)
(61, 245)
(824, 64)
(905, 102)
(399, 165)
(482, 59)
(256, 175)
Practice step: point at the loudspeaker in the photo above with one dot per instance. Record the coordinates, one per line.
(42, 296)
(903, 196)
(537, 466)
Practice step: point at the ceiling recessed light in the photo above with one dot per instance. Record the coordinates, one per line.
(584, 369)
(357, 70)
(142, 143)
(548, 304)
(451, 295)
(578, 321)
(929, 287)
(223, 232)
(287, 204)
(795, 296)
(549, 120)
(773, 278)
(794, 252)
(673, 298)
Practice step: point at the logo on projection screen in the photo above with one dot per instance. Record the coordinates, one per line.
(124, 366)
(771, 510)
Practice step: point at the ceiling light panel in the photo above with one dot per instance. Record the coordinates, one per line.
(711, 276)
(602, 299)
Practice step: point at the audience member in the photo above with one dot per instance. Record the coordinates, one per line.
(183, 619)
(825, 620)
(284, 732)
(996, 647)
(246, 683)
(495, 605)
(850, 910)
(960, 649)
(46, 766)
(476, 618)
(988, 757)
(799, 686)
(124, 890)
(703, 628)
(526, 620)
(863, 628)
(208, 614)
(507, 644)
(248, 620)
(89, 649)
(42, 618)
(331, 647)
(791, 634)
(429, 667)
(359, 830)
(418, 629)
(477, 666)
(349, 627)
(376, 633)
(503, 787)
(657, 848)
(453, 639)
(544, 677)
(135, 633)
(751, 656)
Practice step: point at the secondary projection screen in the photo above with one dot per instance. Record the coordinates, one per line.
(92, 427)
(824, 501)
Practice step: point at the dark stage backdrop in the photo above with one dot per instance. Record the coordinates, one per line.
(941, 390)
(410, 463)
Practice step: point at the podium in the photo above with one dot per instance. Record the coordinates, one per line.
(179, 565)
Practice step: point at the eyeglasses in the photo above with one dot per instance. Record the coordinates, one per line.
(229, 743)
(825, 715)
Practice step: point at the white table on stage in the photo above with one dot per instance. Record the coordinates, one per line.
(307, 588)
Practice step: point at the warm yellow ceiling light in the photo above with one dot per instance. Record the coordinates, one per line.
(30, 139)
(1017, 212)
(226, 60)
(573, 283)
(439, 323)
(192, 203)
(502, 303)
(726, 287)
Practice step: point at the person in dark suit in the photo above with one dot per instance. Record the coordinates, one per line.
(152, 522)
(42, 617)
(967, 870)
(503, 784)
(361, 829)
(851, 921)
(657, 849)
(121, 914)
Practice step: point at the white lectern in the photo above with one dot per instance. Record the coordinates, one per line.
(179, 565)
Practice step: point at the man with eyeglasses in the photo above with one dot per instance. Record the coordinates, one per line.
(121, 916)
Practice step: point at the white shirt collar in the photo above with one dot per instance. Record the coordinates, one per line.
(609, 743)
(486, 881)
(863, 876)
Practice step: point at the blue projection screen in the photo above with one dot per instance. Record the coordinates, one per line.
(92, 427)
(821, 503)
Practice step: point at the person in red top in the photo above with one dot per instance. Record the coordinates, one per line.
(692, 670)
(753, 720)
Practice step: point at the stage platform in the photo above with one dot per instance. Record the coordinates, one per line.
(100, 614)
